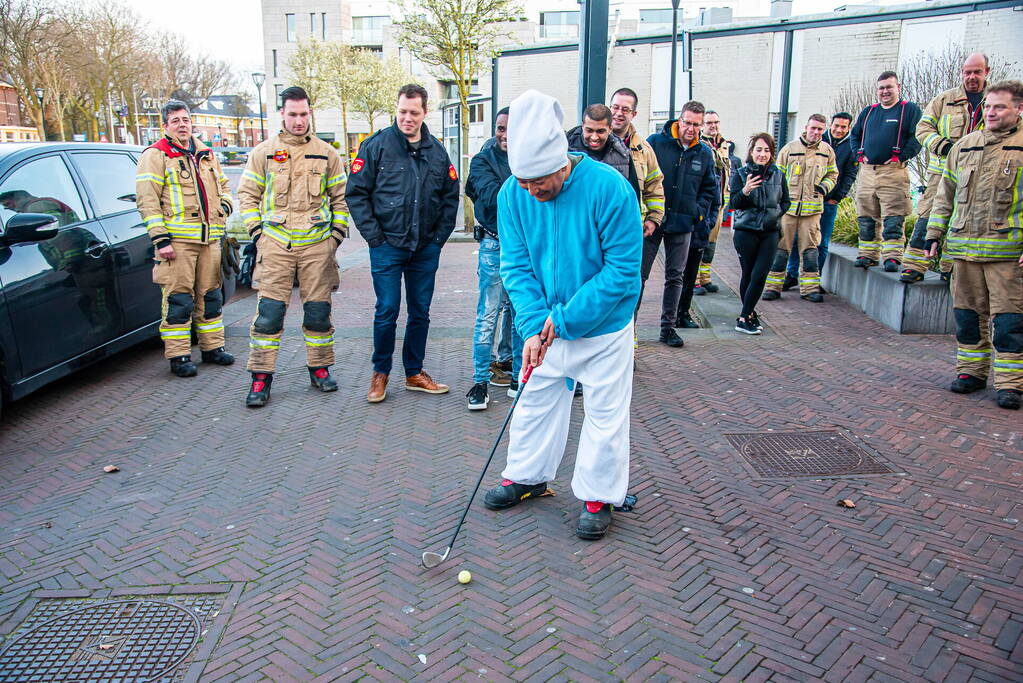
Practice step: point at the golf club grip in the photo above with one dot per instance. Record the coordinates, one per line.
(486, 466)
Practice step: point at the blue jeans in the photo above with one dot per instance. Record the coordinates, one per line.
(504, 340)
(827, 227)
(388, 264)
(492, 297)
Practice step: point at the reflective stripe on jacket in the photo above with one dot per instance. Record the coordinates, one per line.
(651, 179)
(175, 201)
(979, 201)
(809, 169)
(293, 190)
(947, 118)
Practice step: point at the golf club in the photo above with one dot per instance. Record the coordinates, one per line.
(431, 560)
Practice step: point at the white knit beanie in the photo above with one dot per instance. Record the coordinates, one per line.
(537, 145)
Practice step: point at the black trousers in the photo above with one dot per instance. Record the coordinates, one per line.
(693, 262)
(676, 247)
(756, 251)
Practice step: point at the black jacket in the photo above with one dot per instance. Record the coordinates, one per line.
(690, 182)
(878, 131)
(845, 159)
(400, 195)
(487, 172)
(615, 154)
(763, 209)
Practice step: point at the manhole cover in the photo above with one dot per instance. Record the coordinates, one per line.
(806, 454)
(129, 640)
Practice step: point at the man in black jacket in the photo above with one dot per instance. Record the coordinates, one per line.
(595, 139)
(403, 196)
(845, 158)
(690, 194)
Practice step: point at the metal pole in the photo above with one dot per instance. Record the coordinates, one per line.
(493, 97)
(592, 53)
(262, 129)
(42, 116)
(786, 83)
(674, 59)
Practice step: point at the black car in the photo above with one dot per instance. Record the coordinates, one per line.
(77, 289)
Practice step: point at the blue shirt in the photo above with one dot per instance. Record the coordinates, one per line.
(575, 258)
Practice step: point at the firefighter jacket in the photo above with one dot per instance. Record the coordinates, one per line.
(979, 201)
(811, 173)
(182, 194)
(845, 160)
(722, 163)
(690, 184)
(650, 177)
(947, 118)
(403, 195)
(293, 191)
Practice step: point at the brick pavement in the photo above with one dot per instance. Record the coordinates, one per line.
(317, 508)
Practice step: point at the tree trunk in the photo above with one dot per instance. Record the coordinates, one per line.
(344, 132)
(463, 163)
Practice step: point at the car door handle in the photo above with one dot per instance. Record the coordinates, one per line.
(96, 250)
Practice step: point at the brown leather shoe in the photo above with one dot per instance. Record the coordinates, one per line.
(377, 388)
(423, 382)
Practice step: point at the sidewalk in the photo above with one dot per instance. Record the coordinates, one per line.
(294, 532)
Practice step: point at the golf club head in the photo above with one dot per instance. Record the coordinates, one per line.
(431, 560)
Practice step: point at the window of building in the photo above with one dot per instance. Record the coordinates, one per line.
(655, 16)
(292, 31)
(42, 186)
(369, 30)
(108, 177)
(312, 23)
(274, 53)
(323, 25)
(278, 88)
(559, 24)
(476, 113)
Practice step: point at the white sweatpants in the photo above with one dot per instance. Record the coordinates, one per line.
(539, 427)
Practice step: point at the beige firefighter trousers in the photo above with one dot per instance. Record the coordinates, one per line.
(190, 286)
(986, 297)
(882, 202)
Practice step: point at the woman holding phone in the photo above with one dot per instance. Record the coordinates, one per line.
(760, 195)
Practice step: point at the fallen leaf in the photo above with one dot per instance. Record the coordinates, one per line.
(548, 492)
(111, 468)
(846, 503)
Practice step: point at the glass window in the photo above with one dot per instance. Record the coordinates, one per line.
(655, 16)
(559, 24)
(312, 23)
(108, 177)
(274, 52)
(42, 186)
(323, 25)
(278, 89)
(290, 20)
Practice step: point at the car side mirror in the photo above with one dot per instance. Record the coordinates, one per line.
(29, 227)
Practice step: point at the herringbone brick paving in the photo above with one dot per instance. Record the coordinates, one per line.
(320, 505)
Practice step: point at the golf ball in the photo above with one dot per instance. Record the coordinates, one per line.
(464, 576)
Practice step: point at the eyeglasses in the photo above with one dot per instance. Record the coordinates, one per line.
(621, 110)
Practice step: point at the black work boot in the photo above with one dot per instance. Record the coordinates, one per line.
(1008, 398)
(891, 265)
(770, 295)
(670, 337)
(259, 392)
(910, 276)
(182, 366)
(789, 282)
(687, 322)
(815, 297)
(321, 379)
(594, 519)
(711, 287)
(510, 494)
(864, 262)
(218, 357)
(967, 384)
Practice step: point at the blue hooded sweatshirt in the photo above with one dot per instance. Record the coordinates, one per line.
(575, 258)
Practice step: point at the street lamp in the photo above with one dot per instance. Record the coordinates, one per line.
(42, 112)
(674, 59)
(259, 78)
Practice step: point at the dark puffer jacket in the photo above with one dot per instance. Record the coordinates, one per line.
(690, 182)
(764, 207)
(615, 154)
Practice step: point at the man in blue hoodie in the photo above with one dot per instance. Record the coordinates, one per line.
(571, 249)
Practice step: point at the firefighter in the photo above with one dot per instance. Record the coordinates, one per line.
(809, 165)
(978, 207)
(292, 197)
(884, 143)
(711, 134)
(951, 115)
(184, 200)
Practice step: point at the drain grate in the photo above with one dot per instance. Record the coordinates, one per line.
(784, 455)
(128, 640)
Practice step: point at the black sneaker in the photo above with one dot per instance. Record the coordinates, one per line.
(321, 379)
(864, 262)
(686, 322)
(770, 295)
(1008, 398)
(513, 388)
(594, 519)
(218, 357)
(182, 366)
(754, 320)
(509, 494)
(747, 326)
(815, 297)
(711, 288)
(699, 290)
(967, 384)
(789, 283)
(909, 276)
(479, 398)
(891, 265)
(670, 337)
(259, 392)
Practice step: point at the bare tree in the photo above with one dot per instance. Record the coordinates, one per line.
(24, 29)
(380, 80)
(310, 69)
(185, 75)
(345, 63)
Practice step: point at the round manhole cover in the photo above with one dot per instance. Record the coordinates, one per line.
(130, 640)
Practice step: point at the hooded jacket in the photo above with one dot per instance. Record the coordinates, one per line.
(690, 181)
(845, 160)
(487, 172)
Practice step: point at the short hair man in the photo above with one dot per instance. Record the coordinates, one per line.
(811, 173)
(711, 134)
(403, 195)
(573, 283)
(624, 107)
(977, 208)
(488, 171)
(691, 195)
(184, 199)
(884, 142)
(293, 203)
(837, 136)
(593, 137)
(948, 117)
